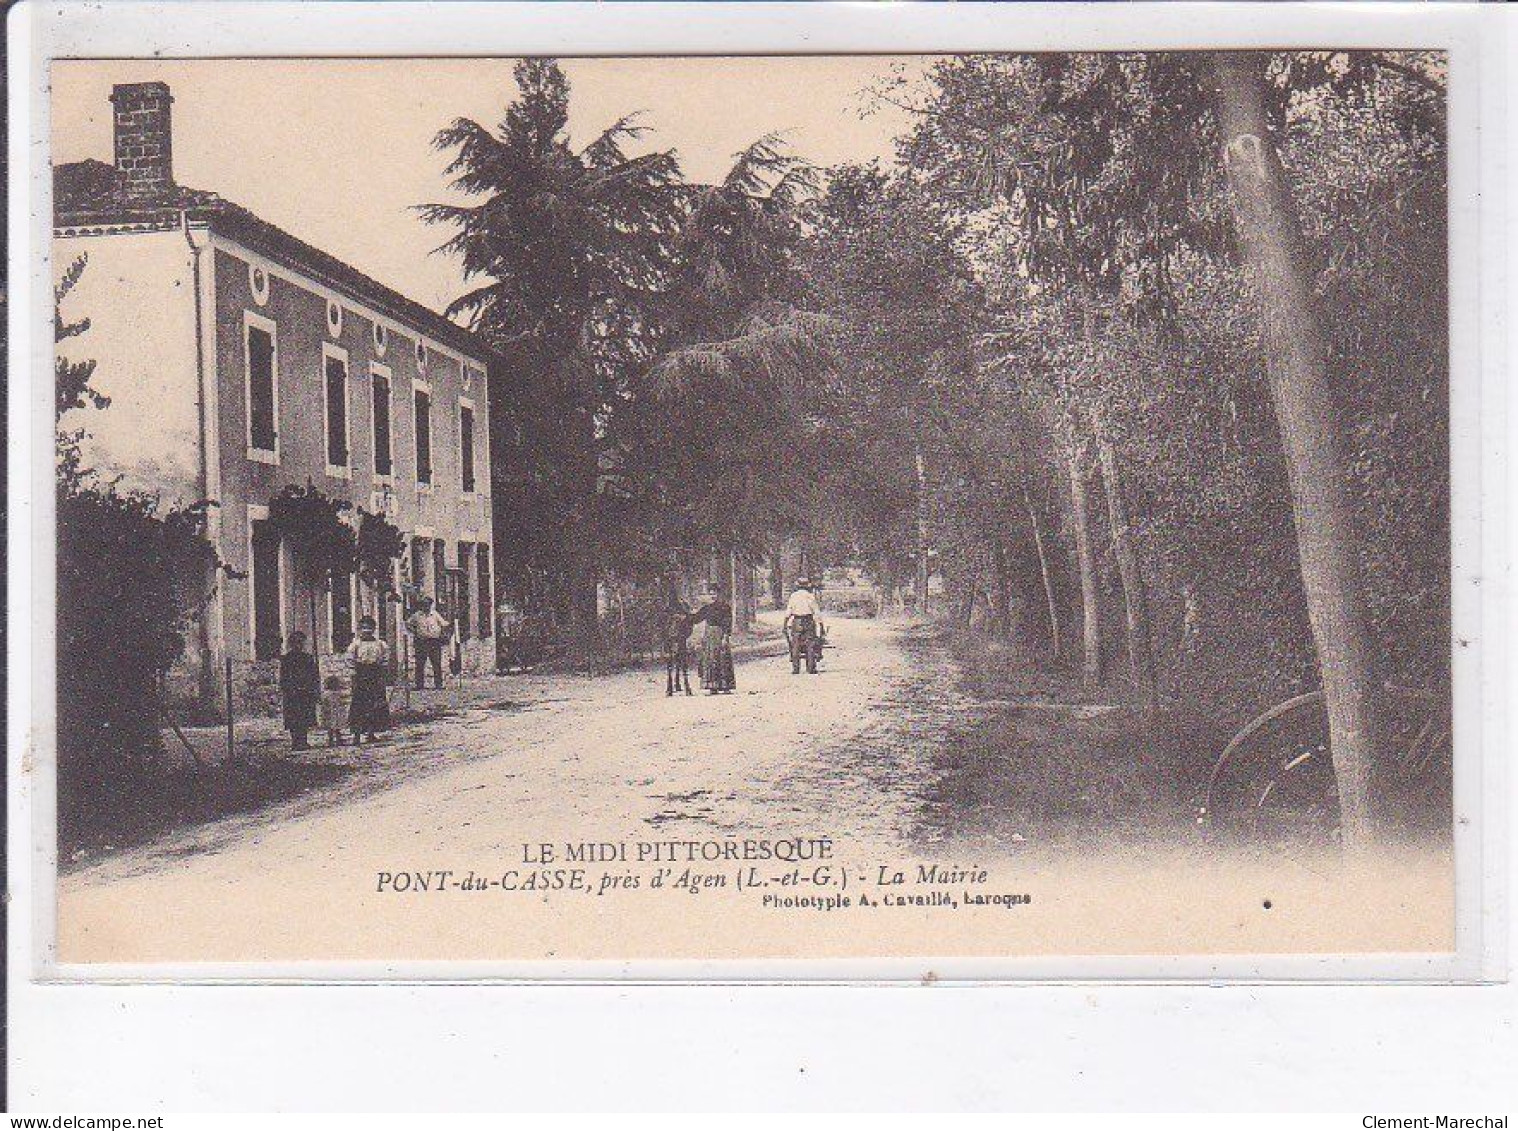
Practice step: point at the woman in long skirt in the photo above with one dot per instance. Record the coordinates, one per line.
(299, 690)
(369, 710)
(716, 666)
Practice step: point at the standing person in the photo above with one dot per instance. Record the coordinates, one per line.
(428, 630)
(334, 709)
(369, 711)
(299, 689)
(716, 664)
(803, 626)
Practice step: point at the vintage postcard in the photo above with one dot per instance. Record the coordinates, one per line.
(978, 506)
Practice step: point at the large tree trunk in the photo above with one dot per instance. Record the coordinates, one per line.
(1135, 600)
(1091, 613)
(1296, 361)
(777, 578)
(922, 532)
(1056, 648)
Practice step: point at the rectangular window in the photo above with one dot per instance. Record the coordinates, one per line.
(341, 609)
(263, 391)
(465, 574)
(423, 405)
(387, 614)
(440, 575)
(383, 464)
(419, 549)
(268, 626)
(466, 447)
(335, 369)
(482, 589)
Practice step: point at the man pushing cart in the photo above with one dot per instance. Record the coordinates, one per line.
(804, 629)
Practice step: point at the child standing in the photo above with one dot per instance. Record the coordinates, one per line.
(299, 689)
(334, 709)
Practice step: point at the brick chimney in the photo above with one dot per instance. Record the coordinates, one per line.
(144, 138)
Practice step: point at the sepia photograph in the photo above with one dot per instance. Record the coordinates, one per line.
(982, 506)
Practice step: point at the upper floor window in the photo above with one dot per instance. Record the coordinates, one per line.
(466, 446)
(384, 464)
(261, 353)
(334, 318)
(335, 377)
(422, 403)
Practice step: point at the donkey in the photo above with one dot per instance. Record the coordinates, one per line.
(675, 635)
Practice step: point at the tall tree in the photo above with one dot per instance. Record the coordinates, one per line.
(1270, 244)
(731, 450)
(568, 249)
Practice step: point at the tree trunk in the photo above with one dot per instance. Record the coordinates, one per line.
(1135, 600)
(777, 579)
(1006, 606)
(1056, 648)
(922, 533)
(1296, 355)
(1091, 612)
(735, 592)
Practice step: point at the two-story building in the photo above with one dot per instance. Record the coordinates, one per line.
(239, 360)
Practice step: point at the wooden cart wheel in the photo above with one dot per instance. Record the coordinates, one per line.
(1275, 777)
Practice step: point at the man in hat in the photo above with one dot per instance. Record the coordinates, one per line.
(428, 630)
(803, 624)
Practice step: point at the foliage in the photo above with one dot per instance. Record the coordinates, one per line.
(379, 544)
(71, 379)
(130, 576)
(1091, 185)
(312, 522)
(124, 604)
(824, 356)
(567, 249)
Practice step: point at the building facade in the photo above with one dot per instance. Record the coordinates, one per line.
(240, 361)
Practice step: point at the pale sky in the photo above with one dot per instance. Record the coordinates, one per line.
(337, 151)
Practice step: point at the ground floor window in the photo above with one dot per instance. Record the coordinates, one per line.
(440, 574)
(268, 618)
(385, 614)
(482, 588)
(419, 565)
(341, 608)
(464, 610)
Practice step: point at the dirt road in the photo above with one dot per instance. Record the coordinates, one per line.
(856, 754)
(594, 759)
